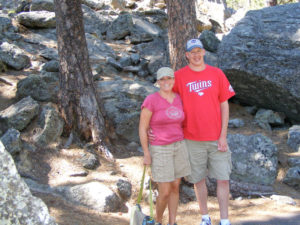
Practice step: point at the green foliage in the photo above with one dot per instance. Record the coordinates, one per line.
(254, 4)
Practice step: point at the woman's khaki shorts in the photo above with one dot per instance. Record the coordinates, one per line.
(169, 161)
(206, 159)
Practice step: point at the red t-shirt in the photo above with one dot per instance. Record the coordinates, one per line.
(166, 120)
(201, 93)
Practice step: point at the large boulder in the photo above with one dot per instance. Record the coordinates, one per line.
(260, 57)
(17, 204)
(122, 100)
(254, 159)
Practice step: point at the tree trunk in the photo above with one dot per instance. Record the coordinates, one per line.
(77, 98)
(181, 27)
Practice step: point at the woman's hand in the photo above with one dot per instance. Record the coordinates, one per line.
(147, 159)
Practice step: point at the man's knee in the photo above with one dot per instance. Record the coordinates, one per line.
(223, 182)
(200, 183)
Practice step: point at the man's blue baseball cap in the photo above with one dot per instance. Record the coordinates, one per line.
(193, 43)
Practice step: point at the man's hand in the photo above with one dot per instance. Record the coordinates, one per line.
(222, 144)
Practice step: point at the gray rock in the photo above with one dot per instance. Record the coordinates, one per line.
(294, 162)
(209, 40)
(187, 194)
(9, 4)
(98, 50)
(95, 22)
(292, 177)
(235, 123)
(294, 138)
(5, 23)
(18, 205)
(153, 16)
(281, 199)
(94, 4)
(89, 161)
(50, 54)
(133, 69)
(51, 66)
(124, 189)
(251, 109)
(94, 195)
(155, 52)
(254, 159)
(3, 67)
(137, 38)
(13, 56)
(211, 58)
(265, 118)
(142, 26)
(12, 141)
(260, 58)
(42, 87)
(111, 61)
(122, 100)
(135, 58)
(37, 19)
(51, 126)
(125, 61)
(42, 5)
(20, 114)
(120, 27)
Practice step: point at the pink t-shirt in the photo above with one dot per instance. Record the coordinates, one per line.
(166, 120)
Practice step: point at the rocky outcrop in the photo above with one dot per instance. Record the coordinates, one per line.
(261, 58)
(17, 204)
(254, 159)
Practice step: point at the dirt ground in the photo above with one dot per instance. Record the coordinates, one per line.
(54, 165)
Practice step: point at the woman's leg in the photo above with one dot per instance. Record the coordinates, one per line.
(162, 199)
(173, 200)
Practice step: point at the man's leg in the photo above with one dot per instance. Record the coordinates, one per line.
(173, 201)
(223, 197)
(201, 194)
(162, 199)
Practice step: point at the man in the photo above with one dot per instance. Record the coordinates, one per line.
(205, 91)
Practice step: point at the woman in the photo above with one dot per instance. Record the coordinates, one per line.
(162, 112)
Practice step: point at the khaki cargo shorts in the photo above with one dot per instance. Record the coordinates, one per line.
(169, 161)
(206, 159)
